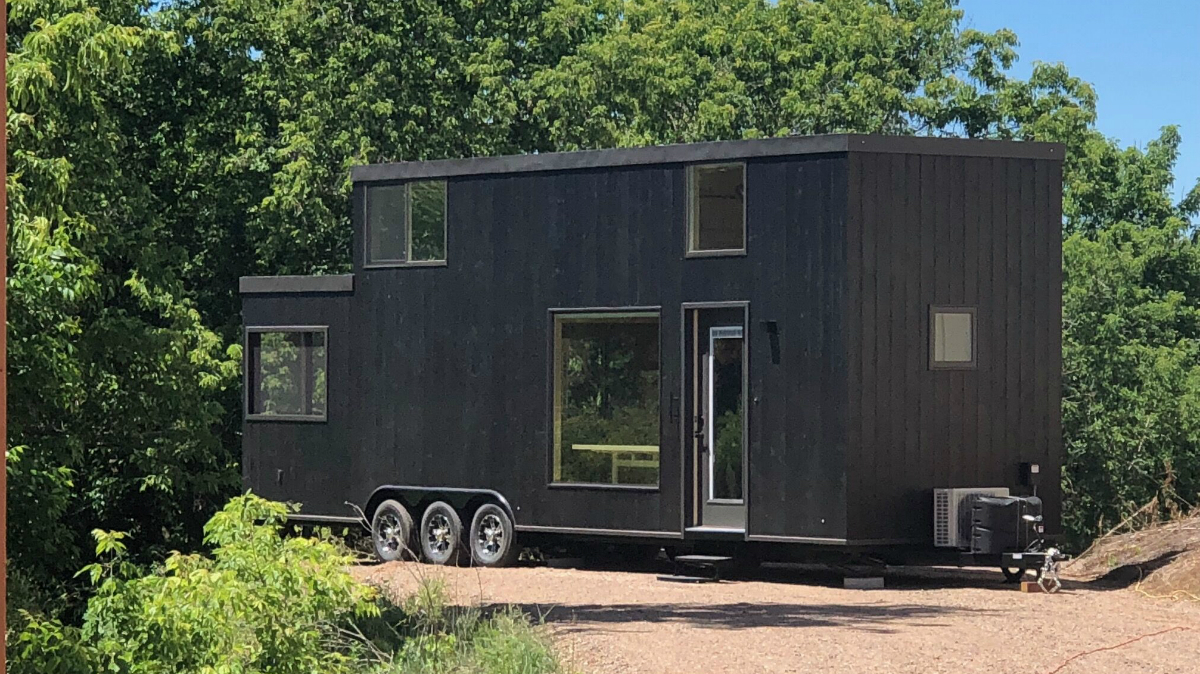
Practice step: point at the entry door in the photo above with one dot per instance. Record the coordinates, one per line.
(720, 423)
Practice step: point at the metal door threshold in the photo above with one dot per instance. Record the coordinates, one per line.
(715, 533)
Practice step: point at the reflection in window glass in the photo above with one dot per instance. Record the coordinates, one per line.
(606, 397)
(718, 212)
(428, 220)
(727, 418)
(288, 374)
(953, 341)
(386, 236)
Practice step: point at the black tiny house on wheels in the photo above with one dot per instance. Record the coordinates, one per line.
(770, 342)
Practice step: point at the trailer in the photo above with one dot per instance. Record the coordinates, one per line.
(775, 348)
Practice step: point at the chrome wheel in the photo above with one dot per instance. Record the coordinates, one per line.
(441, 534)
(391, 531)
(492, 538)
(489, 538)
(438, 535)
(389, 536)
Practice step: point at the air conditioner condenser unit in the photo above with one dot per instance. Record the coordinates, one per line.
(952, 514)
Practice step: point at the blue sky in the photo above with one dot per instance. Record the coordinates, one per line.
(1143, 58)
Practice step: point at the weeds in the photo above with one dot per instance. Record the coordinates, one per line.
(426, 634)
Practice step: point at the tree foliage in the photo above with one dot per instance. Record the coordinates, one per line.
(1131, 343)
(114, 380)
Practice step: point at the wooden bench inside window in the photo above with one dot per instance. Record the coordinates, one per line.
(624, 456)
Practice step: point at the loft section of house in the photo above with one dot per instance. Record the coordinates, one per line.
(776, 344)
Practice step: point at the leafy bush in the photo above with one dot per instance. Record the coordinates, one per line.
(263, 602)
(1131, 375)
(260, 603)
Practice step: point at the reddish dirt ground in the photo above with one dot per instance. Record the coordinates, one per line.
(798, 620)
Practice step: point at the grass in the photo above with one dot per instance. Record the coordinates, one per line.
(426, 635)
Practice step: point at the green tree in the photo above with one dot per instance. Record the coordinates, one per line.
(1131, 340)
(113, 376)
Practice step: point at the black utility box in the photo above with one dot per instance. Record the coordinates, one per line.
(1005, 523)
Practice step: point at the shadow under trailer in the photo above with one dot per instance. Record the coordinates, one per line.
(783, 349)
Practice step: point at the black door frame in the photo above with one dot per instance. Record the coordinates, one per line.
(689, 473)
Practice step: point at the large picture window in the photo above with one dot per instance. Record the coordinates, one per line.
(286, 373)
(406, 224)
(606, 398)
(717, 209)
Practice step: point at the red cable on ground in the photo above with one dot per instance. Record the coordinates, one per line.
(1075, 657)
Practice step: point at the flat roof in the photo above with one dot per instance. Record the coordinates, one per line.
(725, 150)
(332, 283)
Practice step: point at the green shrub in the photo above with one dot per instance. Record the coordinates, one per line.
(260, 603)
(46, 646)
(265, 603)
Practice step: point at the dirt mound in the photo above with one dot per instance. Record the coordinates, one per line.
(1163, 559)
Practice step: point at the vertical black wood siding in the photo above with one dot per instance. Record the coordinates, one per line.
(304, 460)
(930, 230)
(443, 373)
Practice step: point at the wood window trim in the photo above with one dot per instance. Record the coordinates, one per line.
(248, 378)
(973, 312)
(691, 251)
(408, 228)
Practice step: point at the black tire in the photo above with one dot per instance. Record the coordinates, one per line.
(492, 539)
(391, 531)
(441, 535)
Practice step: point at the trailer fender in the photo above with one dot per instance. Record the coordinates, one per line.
(416, 498)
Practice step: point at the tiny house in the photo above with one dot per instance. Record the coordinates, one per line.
(767, 346)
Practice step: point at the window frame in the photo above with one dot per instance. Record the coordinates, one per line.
(408, 226)
(693, 209)
(552, 378)
(973, 312)
(247, 379)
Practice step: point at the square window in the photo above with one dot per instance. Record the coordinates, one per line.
(952, 337)
(286, 374)
(717, 210)
(406, 224)
(606, 398)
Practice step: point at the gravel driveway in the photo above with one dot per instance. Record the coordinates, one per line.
(800, 620)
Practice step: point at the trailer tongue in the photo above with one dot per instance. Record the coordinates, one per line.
(1011, 526)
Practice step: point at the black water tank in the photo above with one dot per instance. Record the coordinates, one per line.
(998, 523)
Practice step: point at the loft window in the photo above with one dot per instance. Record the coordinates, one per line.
(606, 398)
(406, 224)
(286, 373)
(952, 337)
(717, 209)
